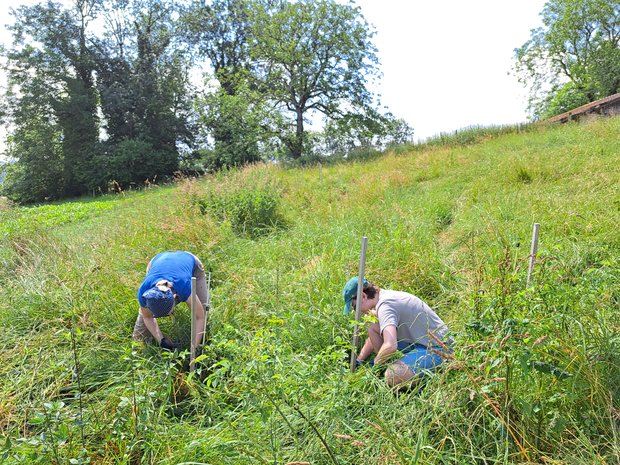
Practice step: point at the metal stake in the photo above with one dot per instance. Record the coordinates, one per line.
(533, 252)
(192, 352)
(207, 308)
(360, 287)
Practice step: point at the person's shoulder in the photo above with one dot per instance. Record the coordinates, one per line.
(386, 297)
(391, 298)
(390, 294)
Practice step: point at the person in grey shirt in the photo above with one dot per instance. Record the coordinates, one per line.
(407, 325)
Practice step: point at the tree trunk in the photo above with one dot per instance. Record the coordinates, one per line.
(298, 143)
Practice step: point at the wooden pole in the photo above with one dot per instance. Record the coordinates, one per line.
(192, 344)
(533, 252)
(358, 313)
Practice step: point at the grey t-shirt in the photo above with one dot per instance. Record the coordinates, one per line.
(411, 316)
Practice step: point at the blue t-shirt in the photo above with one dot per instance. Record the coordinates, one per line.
(176, 267)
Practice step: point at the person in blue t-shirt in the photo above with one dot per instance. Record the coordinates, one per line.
(168, 281)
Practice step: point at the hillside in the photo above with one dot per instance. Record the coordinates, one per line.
(536, 373)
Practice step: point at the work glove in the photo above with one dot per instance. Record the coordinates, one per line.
(166, 343)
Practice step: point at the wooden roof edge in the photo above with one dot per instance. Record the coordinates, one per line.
(584, 108)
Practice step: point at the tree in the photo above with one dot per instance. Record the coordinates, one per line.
(115, 54)
(574, 57)
(160, 75)
(35, 144)
(365, 130)
(220, 32)
(145, 90)
(239, 127)
(293, 73)
(51, 87)
(312, 57)
(54, 101)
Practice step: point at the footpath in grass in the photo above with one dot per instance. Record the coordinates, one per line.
(537, 370)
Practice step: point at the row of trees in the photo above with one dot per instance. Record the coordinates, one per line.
(574, 58)
(99, 91)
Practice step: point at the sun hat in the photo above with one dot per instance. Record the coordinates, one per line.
(159, 302)
(350, 291)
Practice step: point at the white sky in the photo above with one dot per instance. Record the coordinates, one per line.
(445, 63)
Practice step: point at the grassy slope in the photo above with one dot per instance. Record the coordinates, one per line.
(452, 225)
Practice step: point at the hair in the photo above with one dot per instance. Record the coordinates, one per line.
(371, 290)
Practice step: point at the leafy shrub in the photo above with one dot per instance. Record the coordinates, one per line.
(564, 98)
(25, 186)
(253, 211)
(134, 161)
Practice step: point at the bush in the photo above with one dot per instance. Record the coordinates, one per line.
(23, 184)
(253, 211)
(135, 161)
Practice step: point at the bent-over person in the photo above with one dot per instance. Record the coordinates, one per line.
(407, 326)
(168, 281)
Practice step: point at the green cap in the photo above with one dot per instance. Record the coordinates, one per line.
(350, 291)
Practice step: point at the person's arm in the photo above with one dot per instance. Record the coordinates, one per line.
(151, 324)
(367, 349)
(389, 344)
(373, 343)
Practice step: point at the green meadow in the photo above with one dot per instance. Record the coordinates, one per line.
(536, 371)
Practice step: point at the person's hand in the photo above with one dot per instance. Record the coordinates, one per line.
(359, 363)
(199, 350)
(166, 343)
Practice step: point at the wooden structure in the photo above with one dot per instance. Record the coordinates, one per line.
(608, 106)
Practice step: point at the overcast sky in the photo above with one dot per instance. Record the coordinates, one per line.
(445, 63)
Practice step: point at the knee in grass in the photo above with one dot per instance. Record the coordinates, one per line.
(397, 373)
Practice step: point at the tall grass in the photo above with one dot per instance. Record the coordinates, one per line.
(536, 371)
(474, 134)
